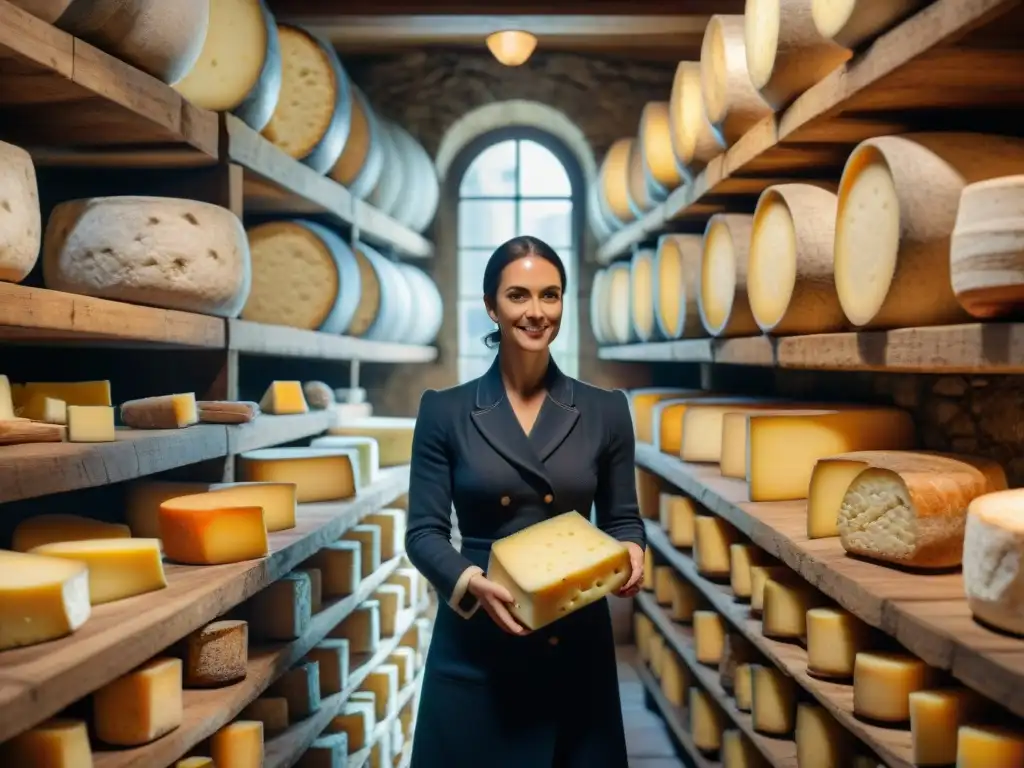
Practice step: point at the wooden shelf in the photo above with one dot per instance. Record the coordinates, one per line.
(926, 613)
(896, 84)
(674, 717)
(969, 348)
(780, 752)
(38, 681)
(280, 341)
(893, 745)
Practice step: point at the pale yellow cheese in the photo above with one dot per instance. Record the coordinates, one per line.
(739, 752)
(392, 531)
(195, 762)
(272, 711)
(300, 685)
(648, 494)
(340, 566)
(759, 576)
(320, 475)
(702, 425)
(656, 652)
(217, 654)
(141, 706)
(685, 598)
(736, 650)
(284, 398)
(409, 580)
(642, 402)
(707, 721)
(641, 288)
(6, 395)
(883, 682)
(393, 436)
(331, 656)
(743, 690)
(41, 598)
(712, 538)
(675, 678)
(405, 660)
(834, 638)
(356, 719)
(391, 597)
(55, 743)
(993, 546)
(238, 745)
(46, 409)
(821, 742)
(985, 746)
(663, 575)
(118, 568)
(163, 412)
(369, 454)
(784, 606)
(361, 628)
(677, 515)
(935, 719)
(43, 529)
(368, 538)
(667, 425)
(91, 424)
(741, 557)
(283, 609)
(773, 698)
(557, 566)
(197, 530)
(829, 481)
(708, 637)
(72, 393)
(382, 682)
(677, 265)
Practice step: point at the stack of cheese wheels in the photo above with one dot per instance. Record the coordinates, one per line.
(21, 226)
(641, 296)
(722, 298)
(239, 69)
(407, 189)
(362, 160)
(163, 39)
(852, 23)
(637, 190)
(694, 141)
(598, 301)
(897, 208)
(313, 113)
(427, 309)
(390, 185)
(732, 103)
(676, 281)
(617, 306)
(598, 218)
(661, 171)
(613, 182)
(159, 251)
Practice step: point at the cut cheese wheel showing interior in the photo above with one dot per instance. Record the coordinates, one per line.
(613, 177)
(695, 142)
(676, 281)
(41, 598)
(732, 103)
(897, 209)
(722, 298)
(641, 295)
(661, 173)
(362, 160)
(642, 402)
(638, 193)
(617, 309)
(851, 23)
(789, 281)
(992, 560)
(320, 474)
(786, 54)
(987, 248)
(239, 68)
(160, 251)
(20, 221)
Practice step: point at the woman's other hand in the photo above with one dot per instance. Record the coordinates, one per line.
(636, 576)
(494, 599)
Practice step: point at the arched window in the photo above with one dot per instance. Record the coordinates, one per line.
(515, 183)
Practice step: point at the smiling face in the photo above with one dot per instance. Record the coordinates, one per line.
(528, 303)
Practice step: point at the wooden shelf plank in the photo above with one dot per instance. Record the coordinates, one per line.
(674, 717)
(277, 183)
(902, 71)
(927, 613)
(38, 681)
(279, 341)
(266, 430)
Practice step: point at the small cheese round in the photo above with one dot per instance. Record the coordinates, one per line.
(993, 557)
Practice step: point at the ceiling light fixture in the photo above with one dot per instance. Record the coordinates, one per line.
(511, 47)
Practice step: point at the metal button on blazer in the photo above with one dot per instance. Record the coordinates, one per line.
(505, 501)
(548, 499)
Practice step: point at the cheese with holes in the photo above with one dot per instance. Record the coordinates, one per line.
(239, 66)
(141, 706)
(722, 298)
(783, 448)
(834, 638)
(821, 742)
(851, 23)
(162, 412)
(20, 221)
(741, 557)
(91, 424)
(368, 538)
(361, 628)
(46, 409)
(556, 567)
(773, 698)
(409, 580)
(935, 718)
(320, 475)
(47, 529)
(759, 576)
(329, 751)
(392, 531)
(197, 530)
(118, 568)
(369, 454)
(382, 682)
(707, 720)
(642, 403)
(702, 425)
(356, 719)
(674, 678)
(284, 398)
(316, 588)
(712, 539)
(739, 752)
(54, 743)
(340, 566)
(300, 685)
(685, 598)
(677, 519)
(663, 575)
(331, 656)
(393, 436)
(72, 393)
(282, 610)
(41, 598)
(405, 660)
(390, 598)
(883, 682)
(157, 251)
(272, 711)
(982, 746)
(708, 637)
(742, 687)
(238, 745)
(784, 606)
(217, 654)
(993, 553)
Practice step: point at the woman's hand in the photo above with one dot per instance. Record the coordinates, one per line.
(494, 598)
(636, 576)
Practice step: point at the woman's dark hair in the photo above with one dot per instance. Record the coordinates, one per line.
(509, 251)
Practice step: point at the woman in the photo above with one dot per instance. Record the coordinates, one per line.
(520, 444)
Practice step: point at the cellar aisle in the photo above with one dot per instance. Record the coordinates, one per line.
(647, 739)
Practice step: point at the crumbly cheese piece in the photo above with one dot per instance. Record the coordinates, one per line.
(272, 711)
(663, 575)
(743, 687)
(834, 638)
(329, 751)
(557, 566)
(162, 412)
(159, 251)
(390, 597)
(675, 678)
(118, 568)
(993, 547)
(759, 576)
(238, 745)
(935, 718)
(282, 610)
(91, 424)
(392, 531)
(712, 538)
(361, 628)
(340, 566)
(784, 606)
(283, 398)
(321, 475)
(368, 538)
(195, 531)
(41, 598)
(356, 719)
(72, 393)
(685, 598)
(369, 454)
(883, 682)
(773, 699)
(382, 682)
(707, 721)
(300, 685)
(217, 654)
(36, 531)
(820, 739)
(393, 436)
(983, 746)
(54, 743)
(20, 221)
(677, 515)
(49, 410)
(740, 752)
(851, 23)
(141, 706)
(708, 637)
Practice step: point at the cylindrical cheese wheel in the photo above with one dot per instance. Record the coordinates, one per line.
(160, 251)
(418, 201)
(617, 309)
(599, 222)
(614, 180)
(304, 276)
(851, 23)
(428, 310)
(722, 297)
(641, 295)
(386, 193)
(239, 68)
(789, 280)
(314, 111)
(598, 304)
(786, 54)
(20, 221)
(732, 103)
(392, 316)
(362, 159)
(992, 563)
(677, 278)
(661, 172)
(987, 248)
(695, 142)
(898, 200)
(640, 201)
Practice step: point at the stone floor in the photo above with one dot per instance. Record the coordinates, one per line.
(647, 738)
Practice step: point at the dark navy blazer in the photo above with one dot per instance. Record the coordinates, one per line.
(489, 698)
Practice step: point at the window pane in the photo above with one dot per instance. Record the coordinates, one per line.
(474, 324)
(486, 223)
(492, 174)
(472, 262)
(473, 367)
(550, 220)
(540, 172)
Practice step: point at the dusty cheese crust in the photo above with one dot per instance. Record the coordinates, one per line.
(992, 562)
(20, 220)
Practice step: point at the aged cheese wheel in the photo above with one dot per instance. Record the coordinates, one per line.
(786, 54)
(417, 204)
(20, 220)
(614, 180)
(722, 295)
(676, 280)
(617, 309)
(239, 68)
(851, 23)
(392, 310)
(987, 248)
(362, 160)
(732, 103)
(661, 173)
(313, 113)
(695, 142)
(600, 319)
(160, 251)
(789, 279)
(641, 295)
(427, 308)
(304, 276)
(993, 558)
(897, 208)
(389, 186)
(639, 198)
(600, 223)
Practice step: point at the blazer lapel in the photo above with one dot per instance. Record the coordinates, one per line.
(558, 416)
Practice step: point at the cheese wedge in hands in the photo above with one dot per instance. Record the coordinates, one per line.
(556, 567)
(782, 449)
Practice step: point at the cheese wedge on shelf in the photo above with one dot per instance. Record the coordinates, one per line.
(41, 598)
(393, 436)
(205, 529)
(55, 743)
(238, 745)
(284, 398)
(707, 721)
(677, 515)
(667, 421)
(834, 638)
(983, 746)
(91, 424)
(72, 393)
(992, 560)
(643, 401)
(935, 718)
(163, 412)
(702, 425)
(118, 568)
(319, 474)
(49, 410)
(883, 682)
(46, 529)
(141, 706)
(820, 739)
(369, 454)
